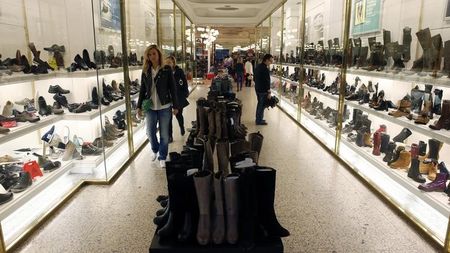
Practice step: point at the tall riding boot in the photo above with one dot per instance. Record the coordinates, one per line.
(407, 38)
(444, 120)
(218, 230)
(413, 171)
(189, 229)
(436, 53)
(223, 155)
(231, 190)
(223, 118)
(447, 58)
(265, 179)
(437, 101)
(208, 159)
(385, 138)
(218, 121)
(211, 122)
(176, 184)
(256, 141)
(203, 189)
(376, 144)
(424, 62)
(201, 121)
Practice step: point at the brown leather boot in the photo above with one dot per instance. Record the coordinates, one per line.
(444, 120)
(367, 140)
(403, 161)
(404, 108)
(432, 172)
(423, 116)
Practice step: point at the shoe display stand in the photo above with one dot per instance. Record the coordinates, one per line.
(274, 245)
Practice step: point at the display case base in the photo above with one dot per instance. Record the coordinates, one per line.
(273, 245)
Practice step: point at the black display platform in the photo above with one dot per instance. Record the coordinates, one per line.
(274, 245)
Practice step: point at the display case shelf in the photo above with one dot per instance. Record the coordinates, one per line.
(438, 200)
(94, 161)
(321, 92)
(442, 135)
(23, 78)
(19, 199)
(95, 113)
(443, 81)
(286, 80)
(24, 128)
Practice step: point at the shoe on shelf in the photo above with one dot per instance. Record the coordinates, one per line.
(102, 144)
(8, 109)
(61, 99)
(56, 89)
(57, 109)
(89, 149)
(44, 109)
(23, 183)
(5, 196)
(84, 107)
(80, 62)
(4, 130)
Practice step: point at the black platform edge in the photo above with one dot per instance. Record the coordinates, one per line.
(273, 245)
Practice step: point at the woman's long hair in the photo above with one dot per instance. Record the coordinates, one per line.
(147, 62)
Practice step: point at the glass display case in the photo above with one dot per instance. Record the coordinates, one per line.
(64, 117)
(375, 91)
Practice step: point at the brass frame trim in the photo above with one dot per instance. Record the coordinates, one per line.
(158, 24)
(270, 34)
(301, 94)
(271, 12)
(175, 53)
(182, 10)
(406, 217)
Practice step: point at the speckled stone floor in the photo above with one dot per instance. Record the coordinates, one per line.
(324, 206)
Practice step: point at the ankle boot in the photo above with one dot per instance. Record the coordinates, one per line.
(385, 138)
(422, 148)
(231, 190)
(432, 172)
(403, 160)
(223, 155)
(434, 146)
(413, 171)
(367, 140)
(265, 179)
(404, 108)
(376, 144)
(439, 184)
(396, 154)
(44, 109)
(423, 115)
(389, 152)
(256, 141)
(218, 231)
(203, 185)
(444, 120)
(403, 135)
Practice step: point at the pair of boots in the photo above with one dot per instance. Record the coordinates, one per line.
(250, 149)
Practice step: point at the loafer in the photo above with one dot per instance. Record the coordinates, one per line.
(56, 89)
(84, 107)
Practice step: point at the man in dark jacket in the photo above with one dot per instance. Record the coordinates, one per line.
(262, 87)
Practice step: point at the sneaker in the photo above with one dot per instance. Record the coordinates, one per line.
(154, 156)
(162, 163)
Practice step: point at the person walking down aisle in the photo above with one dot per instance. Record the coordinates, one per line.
(248, 73)
(262, 87)
(181, 86)
(239, 74)
(156, 99)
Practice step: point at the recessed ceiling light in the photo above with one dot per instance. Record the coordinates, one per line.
(227, 8)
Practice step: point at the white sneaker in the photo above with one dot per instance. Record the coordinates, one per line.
(154, 156)
(162, 163)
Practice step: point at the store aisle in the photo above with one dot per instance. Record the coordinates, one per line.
(325, 207)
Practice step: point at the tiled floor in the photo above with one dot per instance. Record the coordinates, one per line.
(325, 207)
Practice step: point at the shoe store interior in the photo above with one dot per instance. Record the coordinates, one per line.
(197, 126)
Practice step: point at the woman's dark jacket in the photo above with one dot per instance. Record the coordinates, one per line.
(181, 85)
(165, 87)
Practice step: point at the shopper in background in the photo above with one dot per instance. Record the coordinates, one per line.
(181, 87)
(262, 87)
(248, 73)
(156, 99)
(239, 74)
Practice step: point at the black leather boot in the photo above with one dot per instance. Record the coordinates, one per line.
(422, 148)
(403, 135)
(414, 171)
(44, 109)
(406, 43)
(385, 138)
(437, 107)
(389, 152)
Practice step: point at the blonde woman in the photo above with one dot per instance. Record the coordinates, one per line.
(157, 97)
